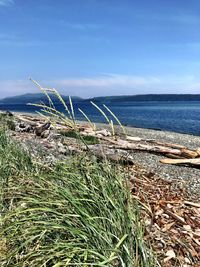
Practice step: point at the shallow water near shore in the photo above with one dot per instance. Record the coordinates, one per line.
(176, 116)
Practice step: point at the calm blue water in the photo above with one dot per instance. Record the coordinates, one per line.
(183, 117)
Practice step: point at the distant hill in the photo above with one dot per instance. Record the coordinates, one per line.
(37, 98)
(33, 98)
(150, 97)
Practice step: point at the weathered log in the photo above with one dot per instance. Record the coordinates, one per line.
(189, 203)
(186, 153)
(174, 216)
(125, 145)
(198, 152)
(148, 148)
(179, 153)
(138, 139)
(27, 121)
(168, 149)
(133, 138)
(167, 144)
(172, 156)
(181, 161)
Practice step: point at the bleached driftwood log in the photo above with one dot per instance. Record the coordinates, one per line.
(178, 154)
(181, 161)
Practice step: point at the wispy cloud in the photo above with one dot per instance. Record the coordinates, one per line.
(22, 43)
(83, 26)
(109, 84)
(110, 80)
(185, 18)
(6, 2)
(16, 87)
(13, 40)
(180, 18)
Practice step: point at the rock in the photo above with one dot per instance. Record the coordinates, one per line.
(54, 136)
(8, 113)
(103, 132)
(41, 129)
(45, 134)
(85, 127)
(88, 133)
(62, 150)
(23, 127)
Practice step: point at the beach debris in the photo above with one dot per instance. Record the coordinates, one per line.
(133, 138)
(103, 132)
(40, 130)
(189, 203)
(9, 113)
(171, 217)
(23, 127)
(45, 133)
(170, 254)
(172, 222)
(175, 153)
(181, 161)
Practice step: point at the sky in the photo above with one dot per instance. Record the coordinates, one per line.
(100, 47)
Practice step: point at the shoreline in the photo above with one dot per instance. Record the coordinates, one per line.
(164, 190)
(189, 140)
(190, 176)
(127, 126)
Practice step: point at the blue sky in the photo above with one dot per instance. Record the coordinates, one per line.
(100, 47)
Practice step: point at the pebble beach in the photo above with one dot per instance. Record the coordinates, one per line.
(190, 176)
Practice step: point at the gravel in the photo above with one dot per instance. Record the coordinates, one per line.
(190, 176)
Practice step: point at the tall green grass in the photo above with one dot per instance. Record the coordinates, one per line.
(13, 162)
(6, 122)
(68, 117)
(79, 213)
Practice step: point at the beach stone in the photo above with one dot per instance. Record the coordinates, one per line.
(9, 113)
(23, 127)
(103, 132)
(62, 150)
(41, 129)
(45, 134)
(54, 136)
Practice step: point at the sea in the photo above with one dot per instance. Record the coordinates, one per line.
(175, 116)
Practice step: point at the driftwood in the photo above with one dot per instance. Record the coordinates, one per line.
(170, 150)
(33, 121)
(197, 205)
(125, 145)
(153, 141)
(189, 153)
(168, 145)
(148, 148)
(174, 216)
(172, 156)
(114, 148)
(155, 147)
(181, 161)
